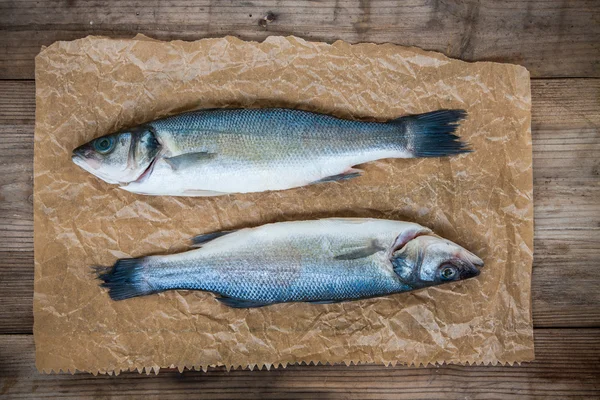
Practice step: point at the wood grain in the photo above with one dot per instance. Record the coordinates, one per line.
(16, 287)
(567, 366)
(17, 116)
(17, 119)
(551, 38)
(566, 168)
(566, 137)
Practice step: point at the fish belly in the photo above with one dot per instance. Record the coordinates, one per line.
(216, 178)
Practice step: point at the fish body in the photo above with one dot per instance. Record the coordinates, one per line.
(220, 151)
(322, 261)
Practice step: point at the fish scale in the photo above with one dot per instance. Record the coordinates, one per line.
(275, 283)
(325, 260)
(280, 128)
(219, 151)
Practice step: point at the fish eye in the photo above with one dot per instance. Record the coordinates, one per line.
(104, 145)
(448, 272)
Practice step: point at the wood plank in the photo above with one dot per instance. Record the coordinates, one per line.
(567, 366)
(17, 116)
(550, 37)
(16, 287)
(566, 169)
(16, 187)
(566, 121)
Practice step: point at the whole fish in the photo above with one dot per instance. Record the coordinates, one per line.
(318, 261)
(220, 151)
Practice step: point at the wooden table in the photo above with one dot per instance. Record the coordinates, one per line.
(558, 41)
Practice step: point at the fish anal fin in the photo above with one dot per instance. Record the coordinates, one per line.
(351, 173)
(207, 237)
(324, 301)
(239, 303)
(188, 159)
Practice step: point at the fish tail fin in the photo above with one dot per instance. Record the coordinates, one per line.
(125, 279)
(432, 134)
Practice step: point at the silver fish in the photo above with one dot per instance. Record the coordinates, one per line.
(220, 151)
(318, 261)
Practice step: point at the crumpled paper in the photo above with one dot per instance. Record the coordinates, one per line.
(483, 201)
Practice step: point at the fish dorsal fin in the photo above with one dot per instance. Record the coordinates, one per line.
(199, 240)
(184, 161)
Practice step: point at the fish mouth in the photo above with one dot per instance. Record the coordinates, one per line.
(473, 263)
(76, 159)
(87, 163)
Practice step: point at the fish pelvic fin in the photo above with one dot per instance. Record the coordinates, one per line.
(125, 279)
(432, 134)
(240, 303)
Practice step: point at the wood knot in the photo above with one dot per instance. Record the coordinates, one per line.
(267, 19)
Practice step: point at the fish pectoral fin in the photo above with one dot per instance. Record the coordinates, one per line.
(325, 301)
(186, 160)
(239, 303)
(199, 240)
(360, 252)
(351, 173)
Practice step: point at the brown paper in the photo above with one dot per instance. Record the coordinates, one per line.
(93, 86)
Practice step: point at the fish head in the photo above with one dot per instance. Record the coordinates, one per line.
(429, 260)
(120, 157)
